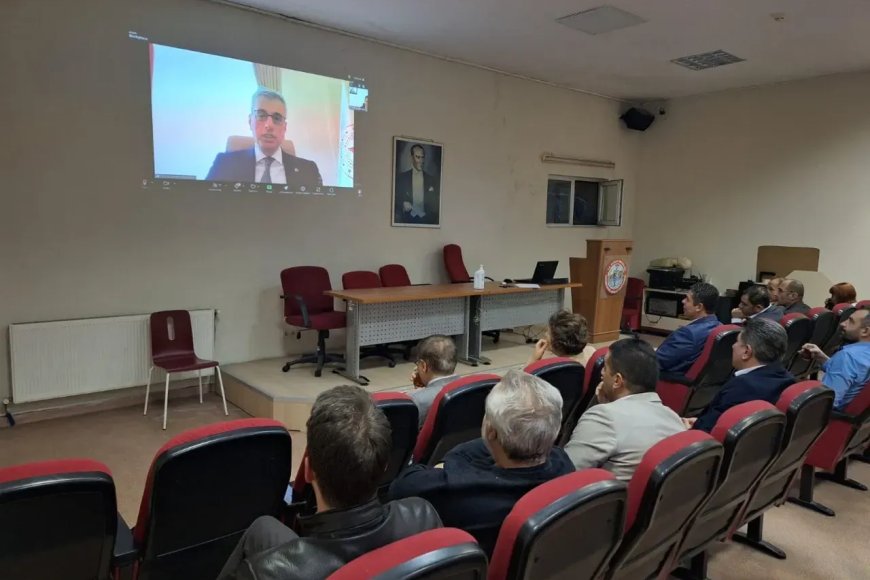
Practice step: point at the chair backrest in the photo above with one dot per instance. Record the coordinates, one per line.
(798, 328)
(713, 366)
(634, 293)
(393, 275)
(204, 488)
(58, 520)
(594, 366)
(751, 435)
(454, 264)
(567, 375)
(309, 283)
(238, 142)
(862, 304)
(171, 334)
(568, 527)
(841, 311)
(360, 280)
(455, 417)
(824, 327)
(403, 415)
(847, 432)
(673, 480)
(807, 406)
(445, 553)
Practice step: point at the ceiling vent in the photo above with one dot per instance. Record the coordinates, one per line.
(600, 20)
(707, 60)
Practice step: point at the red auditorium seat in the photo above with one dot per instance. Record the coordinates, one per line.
(394, 275)
(204, 488)
(58, 520)
(799, 328)
(567, 375)
(673, 481)
(841, 311)
(455, 417)
(445, 553)
(847, 432)
(547, 533)
(307, 306)
(807, 406)
(402, 413)
(631, 307)
(751, 435)
(690, 393)
(825, 325)
(862, 304)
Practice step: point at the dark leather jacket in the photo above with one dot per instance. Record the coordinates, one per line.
(334, 538)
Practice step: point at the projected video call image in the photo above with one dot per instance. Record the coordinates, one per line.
(254, 126)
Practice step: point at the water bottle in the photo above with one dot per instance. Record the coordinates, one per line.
(479, 278)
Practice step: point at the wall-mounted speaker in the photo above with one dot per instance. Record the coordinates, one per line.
(637, 119)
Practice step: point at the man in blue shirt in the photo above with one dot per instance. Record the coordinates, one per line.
(848, 371)
(683, 347)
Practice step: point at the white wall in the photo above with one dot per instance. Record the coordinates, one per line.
(79, 238)
(785, 164)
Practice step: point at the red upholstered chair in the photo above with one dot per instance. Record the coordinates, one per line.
(825, 325)
(690, 393)
(403, 415)
(394, 275)
(847, 432)
(445, 553)
(674, 480)
(862, 304)
(841, 312)
(568, 527)
(172, 350)
(807, 406)
(631, 307)
(361, 280)
(58, 519)
(799, 328)
(567, 375)
(458, 274)
(204, 488)
(455, 417)
(307, 306)
(751, 434)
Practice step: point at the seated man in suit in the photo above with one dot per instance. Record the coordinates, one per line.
(481, 480)
(435, 366)
(266, 162)
(773, 286)
(683, 346)
(848, 371)
(567, 336)
(348, 449)
(759, 374)
(791, 297)
(630, 418)
(755, 303)
(418, 192)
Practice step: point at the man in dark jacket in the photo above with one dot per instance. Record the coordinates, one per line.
(349, 445)
(481, 480)
(759, 374)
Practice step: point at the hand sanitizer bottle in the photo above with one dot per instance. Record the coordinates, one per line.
(479, 278)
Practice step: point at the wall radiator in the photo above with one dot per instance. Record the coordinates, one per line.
(74, 357)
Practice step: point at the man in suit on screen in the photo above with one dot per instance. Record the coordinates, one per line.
(266, 162)
(418, 193)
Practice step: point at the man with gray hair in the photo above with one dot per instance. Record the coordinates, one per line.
(436, 363)
(481, 480)
(759, 374)
(266, 161)
(791, 297)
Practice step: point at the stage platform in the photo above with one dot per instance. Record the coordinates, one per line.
(260, 387)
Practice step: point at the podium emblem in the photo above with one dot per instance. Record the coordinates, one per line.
(615, 276)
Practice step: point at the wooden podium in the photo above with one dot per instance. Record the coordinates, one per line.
(603, 274)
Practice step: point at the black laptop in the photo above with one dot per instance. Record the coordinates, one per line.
(544, 272)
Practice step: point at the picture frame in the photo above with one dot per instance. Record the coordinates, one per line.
(417, 163)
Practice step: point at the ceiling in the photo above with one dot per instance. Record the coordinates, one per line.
(521, 37)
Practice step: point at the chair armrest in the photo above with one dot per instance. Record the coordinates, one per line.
(678, 378)
(125, 552)
(303, 308)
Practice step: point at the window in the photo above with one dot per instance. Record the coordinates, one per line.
(583, 202)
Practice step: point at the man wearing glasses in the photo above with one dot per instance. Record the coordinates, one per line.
(266, 162)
